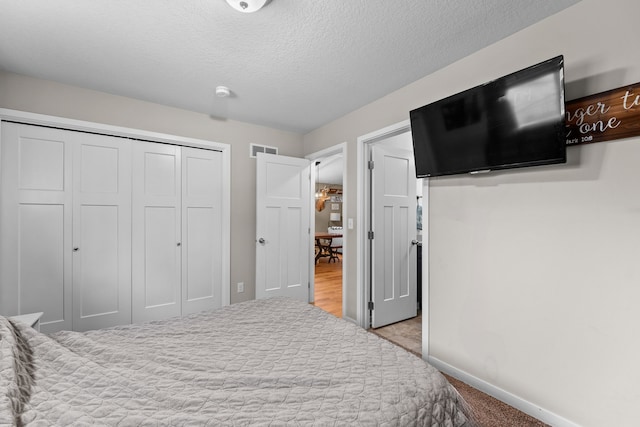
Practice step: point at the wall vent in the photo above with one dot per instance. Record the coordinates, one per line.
(254, 149)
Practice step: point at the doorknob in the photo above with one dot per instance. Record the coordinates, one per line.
(261, 241)
(414, 242)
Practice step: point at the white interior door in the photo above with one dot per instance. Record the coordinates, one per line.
(282, 227)
(101, 231)
(156, 213)
(394, 250)
(35, 224)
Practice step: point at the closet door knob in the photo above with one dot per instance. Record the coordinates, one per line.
(179, 244)
(76, 249)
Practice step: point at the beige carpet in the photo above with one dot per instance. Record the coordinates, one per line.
(407, 334)
(488, 411)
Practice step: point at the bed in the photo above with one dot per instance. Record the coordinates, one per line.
(264, 362)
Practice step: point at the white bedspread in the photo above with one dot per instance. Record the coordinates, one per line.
(265, 362)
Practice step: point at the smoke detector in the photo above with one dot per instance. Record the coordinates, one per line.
(222, 92)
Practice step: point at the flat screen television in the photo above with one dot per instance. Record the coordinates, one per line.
(515, 121)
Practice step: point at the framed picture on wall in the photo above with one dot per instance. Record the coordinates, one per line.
(335, 207)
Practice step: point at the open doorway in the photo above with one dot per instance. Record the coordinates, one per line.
(328, 228)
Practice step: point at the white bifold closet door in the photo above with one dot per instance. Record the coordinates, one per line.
(66, 227)
(177, 217)
(203, 268)
(99, 230)
(157, 183)
(35, 224)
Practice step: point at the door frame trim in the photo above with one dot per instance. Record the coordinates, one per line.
(334, 149)
(364, 144)
(110, 130)
(131, 133)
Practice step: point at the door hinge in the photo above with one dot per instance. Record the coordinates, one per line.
(370, 165)
(308, 285)
(370, 305)
(370, 235)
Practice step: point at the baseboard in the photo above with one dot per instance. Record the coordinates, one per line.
(349, 319)
(502, 395)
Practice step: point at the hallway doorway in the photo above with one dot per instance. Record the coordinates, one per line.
(329, 206)
(328, 286)
(380, 138)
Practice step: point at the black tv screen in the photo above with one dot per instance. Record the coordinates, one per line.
(515, 121)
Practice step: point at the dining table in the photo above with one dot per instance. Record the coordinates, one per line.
(323, 244)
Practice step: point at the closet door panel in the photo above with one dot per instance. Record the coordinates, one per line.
(202, 278)
(41, 163)
(161, 262)
(102, 231)
(35, 223)
(200, 251)
(98, 272)
(159, 167)
(156, 232)
(99, 174)
(42, 254)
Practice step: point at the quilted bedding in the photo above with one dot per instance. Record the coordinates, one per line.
(265, 362)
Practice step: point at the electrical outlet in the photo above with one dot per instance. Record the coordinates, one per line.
(240, 287)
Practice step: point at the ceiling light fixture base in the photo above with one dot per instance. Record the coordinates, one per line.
(247, 6)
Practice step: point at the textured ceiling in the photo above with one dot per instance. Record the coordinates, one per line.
(294, 65)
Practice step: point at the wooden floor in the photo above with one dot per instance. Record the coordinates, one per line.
(328, 286)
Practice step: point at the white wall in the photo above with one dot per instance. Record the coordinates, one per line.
(45, 97)
(535, 281)
(534, 274)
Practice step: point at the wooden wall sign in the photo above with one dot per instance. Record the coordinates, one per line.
(604, 116)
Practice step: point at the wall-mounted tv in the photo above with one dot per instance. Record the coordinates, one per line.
(515, 121)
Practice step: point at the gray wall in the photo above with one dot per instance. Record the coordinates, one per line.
(534, 274)
(45, 97)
